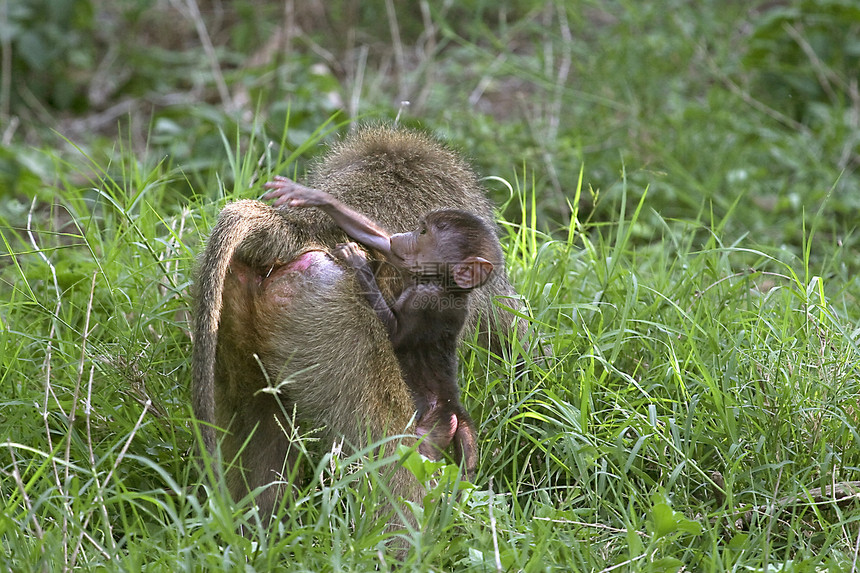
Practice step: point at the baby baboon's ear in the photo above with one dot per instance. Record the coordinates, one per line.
(472, 272)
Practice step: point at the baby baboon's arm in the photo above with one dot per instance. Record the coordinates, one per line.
(287, 192)
(355, 258)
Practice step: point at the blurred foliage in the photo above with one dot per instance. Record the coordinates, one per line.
(715, 107)
(53, 50)
(804, 54)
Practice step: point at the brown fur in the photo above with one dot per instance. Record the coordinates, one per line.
(258, 293)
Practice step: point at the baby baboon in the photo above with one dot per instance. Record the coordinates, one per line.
(271, 305)
(451, 253)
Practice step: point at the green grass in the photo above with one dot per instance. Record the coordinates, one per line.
(669, 362)
(678, 194)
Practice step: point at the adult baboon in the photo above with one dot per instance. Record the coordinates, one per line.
(273, 305)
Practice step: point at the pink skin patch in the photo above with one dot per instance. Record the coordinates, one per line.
(312, 270)
(304, 261)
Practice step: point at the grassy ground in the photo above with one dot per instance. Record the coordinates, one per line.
(677, 184)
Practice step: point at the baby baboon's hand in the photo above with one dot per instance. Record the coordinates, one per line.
(351, 254)
(287, 192)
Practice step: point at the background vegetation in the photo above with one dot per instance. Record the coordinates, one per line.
(678, 183)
